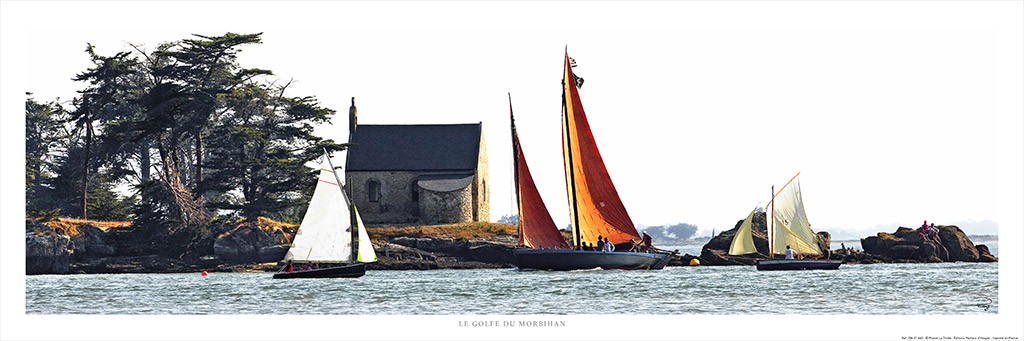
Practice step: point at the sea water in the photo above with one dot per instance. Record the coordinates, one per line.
(937, 288)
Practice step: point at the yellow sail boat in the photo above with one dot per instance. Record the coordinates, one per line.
(789, 230)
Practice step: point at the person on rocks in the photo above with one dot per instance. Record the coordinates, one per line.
(789, 253)
(600, 243)
(608, 245)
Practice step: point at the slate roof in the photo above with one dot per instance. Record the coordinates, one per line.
(419, 147)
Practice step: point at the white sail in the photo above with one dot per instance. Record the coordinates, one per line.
(791, 225)
(366, 254)
(743, 240)
(325, 234)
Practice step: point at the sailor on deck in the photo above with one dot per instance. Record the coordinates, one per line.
(789, 253)
(648, 242)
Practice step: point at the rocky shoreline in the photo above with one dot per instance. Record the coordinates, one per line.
(244, 248)
(948, 243)
(258, 248)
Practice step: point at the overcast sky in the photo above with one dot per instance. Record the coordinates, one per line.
(894, 112)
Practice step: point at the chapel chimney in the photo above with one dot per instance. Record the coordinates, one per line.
(353, 117)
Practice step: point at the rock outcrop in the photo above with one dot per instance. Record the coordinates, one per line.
(716, 251)
(682, 260)
(946, 243)
(251, 243)
(47, 254)
(134, 264)
(438, 250)
(46, 251)
(90, 242)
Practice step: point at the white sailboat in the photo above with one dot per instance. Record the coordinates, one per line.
(325, 238)
(789, 229)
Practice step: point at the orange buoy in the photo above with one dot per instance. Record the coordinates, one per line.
(694, 262)
(203, 273)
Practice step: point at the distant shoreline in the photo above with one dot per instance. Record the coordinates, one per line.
(80, 247)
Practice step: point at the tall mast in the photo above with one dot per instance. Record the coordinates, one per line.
(353, 223)
(568, 142)
(515, 168)
(771, 234)
(771, 231)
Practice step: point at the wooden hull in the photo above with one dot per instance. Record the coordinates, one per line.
(341, 271)
(563, 260)
(798, 264)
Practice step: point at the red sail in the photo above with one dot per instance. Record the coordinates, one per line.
(537, 229)
(594, 203)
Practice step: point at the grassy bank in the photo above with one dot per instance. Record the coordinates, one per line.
(456, 231)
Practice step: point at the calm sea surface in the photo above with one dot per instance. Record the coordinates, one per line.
(949, 288)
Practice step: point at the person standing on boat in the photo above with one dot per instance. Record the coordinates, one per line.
(648, 242)
(608, 245)
(600, 243)
(789, 253)
(289, 267)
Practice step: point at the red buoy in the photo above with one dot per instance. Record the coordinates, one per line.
(203, 273)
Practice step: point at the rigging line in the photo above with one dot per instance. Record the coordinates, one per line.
(353, 224)
(774, 194)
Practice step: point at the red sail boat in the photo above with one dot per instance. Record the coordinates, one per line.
(594, 205)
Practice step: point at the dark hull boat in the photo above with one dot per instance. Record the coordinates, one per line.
(595, 209)
(342, 271)
(555, 259)
(798, 264)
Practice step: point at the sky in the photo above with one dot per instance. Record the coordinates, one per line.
(892, 112)
(697, 109)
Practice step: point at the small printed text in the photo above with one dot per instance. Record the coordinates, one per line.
(512, 323)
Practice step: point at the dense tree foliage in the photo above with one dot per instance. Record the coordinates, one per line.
(184, 129)
(261, 150)
(43, 133)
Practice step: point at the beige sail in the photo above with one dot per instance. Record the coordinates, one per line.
(790, 223)
(324, 234)
(743, 241)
